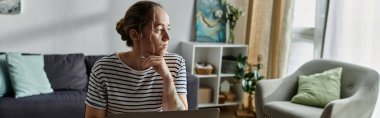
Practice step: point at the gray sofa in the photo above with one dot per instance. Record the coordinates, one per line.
(359, 92)
(68, 76)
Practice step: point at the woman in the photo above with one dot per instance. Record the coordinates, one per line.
(144, 79)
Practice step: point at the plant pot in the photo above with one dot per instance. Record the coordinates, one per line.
(250, 107)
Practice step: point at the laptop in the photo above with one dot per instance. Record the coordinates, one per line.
(200, 113)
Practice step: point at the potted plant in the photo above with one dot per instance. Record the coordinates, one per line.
(232, 14)
(248, 75)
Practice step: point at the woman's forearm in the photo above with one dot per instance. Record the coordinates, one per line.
(170, 99)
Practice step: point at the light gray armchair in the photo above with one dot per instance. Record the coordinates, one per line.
(359, 91)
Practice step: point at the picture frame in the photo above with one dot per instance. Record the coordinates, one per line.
(10, 6)
(210, 21)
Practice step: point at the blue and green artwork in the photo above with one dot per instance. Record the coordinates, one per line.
(10, 6)
(210, 21)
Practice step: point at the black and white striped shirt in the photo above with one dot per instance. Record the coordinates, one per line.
(118, 88)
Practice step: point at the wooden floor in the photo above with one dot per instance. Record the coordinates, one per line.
(228, 112)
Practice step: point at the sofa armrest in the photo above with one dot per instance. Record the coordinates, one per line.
(192, 91)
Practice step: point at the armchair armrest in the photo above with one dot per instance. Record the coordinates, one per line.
(282, 89)
(357, 106)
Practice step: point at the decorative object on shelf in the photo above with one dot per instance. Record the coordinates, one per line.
(248, 76)
(225, 86)
(10, 6)
(228, 63)
(203, 68)
(232, 15)
(227, 97)
(210, 21)
(205, 95)
(230, 96)
(222, 99)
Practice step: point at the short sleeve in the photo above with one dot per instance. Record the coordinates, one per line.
(96, 94)
(180, 80)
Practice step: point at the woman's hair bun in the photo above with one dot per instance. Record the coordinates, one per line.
(120, 28)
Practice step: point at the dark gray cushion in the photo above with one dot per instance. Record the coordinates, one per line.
(192, 90)
(90, 61)
(60, 104)
(66, 72)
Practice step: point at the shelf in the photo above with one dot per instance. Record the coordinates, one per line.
(207, 76)
(227, 75)
(207, 105)
(218, 105)
(213, 53)
(229, 104)
(208, 44)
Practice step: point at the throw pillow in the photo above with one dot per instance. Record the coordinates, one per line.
(90, 61)
(4, 78)
(66, 71)
(27, 75)
(318, 89)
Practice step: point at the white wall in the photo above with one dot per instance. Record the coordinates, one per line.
(84, 26)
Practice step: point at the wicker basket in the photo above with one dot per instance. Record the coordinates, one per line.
(203, 71)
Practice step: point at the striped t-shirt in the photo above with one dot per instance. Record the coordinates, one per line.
(118, 88)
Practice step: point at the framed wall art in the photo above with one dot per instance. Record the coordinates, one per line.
(210, 21)
(10, 6)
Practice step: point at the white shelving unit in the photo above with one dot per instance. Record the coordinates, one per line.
(212, 53)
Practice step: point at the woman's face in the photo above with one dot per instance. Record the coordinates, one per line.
(155, 38)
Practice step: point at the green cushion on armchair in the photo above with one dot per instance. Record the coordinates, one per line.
(318, 89)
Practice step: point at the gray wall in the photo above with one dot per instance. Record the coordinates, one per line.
(84, 26)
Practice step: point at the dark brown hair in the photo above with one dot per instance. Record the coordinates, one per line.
(136, 17)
